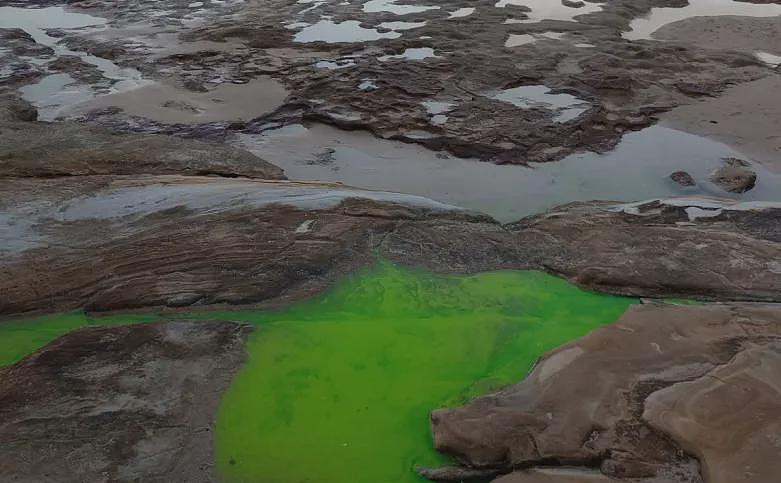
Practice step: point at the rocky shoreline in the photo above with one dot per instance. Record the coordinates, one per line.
(127, 184)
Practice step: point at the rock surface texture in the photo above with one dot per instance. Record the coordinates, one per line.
(43, 150)
(640, 400)
(735, 176)
(122, 403)
(121, 242)
(117, 242)
(687, 247)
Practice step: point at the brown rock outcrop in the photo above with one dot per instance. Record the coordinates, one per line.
(638, 399)
(37, 149)
(117, 242)
(121, 242)
(678, 247)
(121, 403)
(735, 176)
(730, 418)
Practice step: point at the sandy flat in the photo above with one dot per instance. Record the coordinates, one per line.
(746, 117)
(729, 32)
(170, 104)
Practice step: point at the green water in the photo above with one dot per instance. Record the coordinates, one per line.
(338, 389)
(21, 337)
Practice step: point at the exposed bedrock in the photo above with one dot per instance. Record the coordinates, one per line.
(665, 394)
(116, 242)
(121, 403)
(119, 242)
(688, 247)
(40, 150)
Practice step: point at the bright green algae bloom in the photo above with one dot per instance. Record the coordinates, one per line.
(338, 389)
(19, 338)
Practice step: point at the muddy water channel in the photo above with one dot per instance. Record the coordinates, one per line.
(339, 388)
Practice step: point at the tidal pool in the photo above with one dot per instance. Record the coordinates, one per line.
(339, 388)
(638, 168)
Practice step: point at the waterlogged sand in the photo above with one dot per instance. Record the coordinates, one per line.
(339, 388)
(729, 32)
(645, 27)
(170, 104)
(746, 117)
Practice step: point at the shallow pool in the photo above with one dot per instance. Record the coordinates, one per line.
(339, 388)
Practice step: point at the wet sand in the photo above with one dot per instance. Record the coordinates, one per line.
(747, 117)
(729, 32)
(647, 26)
(170, 104)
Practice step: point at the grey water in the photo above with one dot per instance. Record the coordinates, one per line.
(638, 168)
(47, 94)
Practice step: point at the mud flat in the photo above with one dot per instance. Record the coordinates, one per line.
(168, 104)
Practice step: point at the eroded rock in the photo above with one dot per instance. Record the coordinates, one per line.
(115, 242)
(605, 401)
(683, 178)
(730, 418)
(119, 242)
(37, 149)
(121, 403)
(688, 247)
(735, 176)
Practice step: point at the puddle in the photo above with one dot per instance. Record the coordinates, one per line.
(376, 6)
(462, 12)
(438, 107)
(515, 40)
(401, 25)
(347, 31)
(54, 94)
(550, 9)
(170, 104)
(437, 110)
(333, 65)
(644, 27)
(367, 85)
(339, 388)
(768, 58)
(418, 53)
(35, 22)
(638, 168)
(567, 107)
